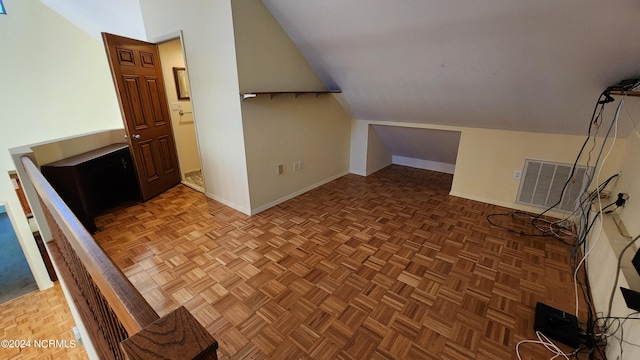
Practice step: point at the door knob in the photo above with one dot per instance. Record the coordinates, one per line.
(135, 136)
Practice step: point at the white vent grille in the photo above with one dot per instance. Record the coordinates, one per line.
(542, 181)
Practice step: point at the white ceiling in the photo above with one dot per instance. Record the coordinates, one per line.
(529, 65)
(506, 64)
(122, 17)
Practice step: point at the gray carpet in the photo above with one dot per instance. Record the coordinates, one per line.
(16, 278)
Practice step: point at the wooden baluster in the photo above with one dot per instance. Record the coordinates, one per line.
(118, 319)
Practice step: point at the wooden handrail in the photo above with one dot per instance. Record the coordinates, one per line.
(175, 336)
(111, 308)
(132, 309)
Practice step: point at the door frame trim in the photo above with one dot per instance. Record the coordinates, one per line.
(167, 37)
(178, 34)
(29, 249)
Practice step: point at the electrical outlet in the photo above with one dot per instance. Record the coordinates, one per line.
(297, 165)
(517, 174)
(77, 335)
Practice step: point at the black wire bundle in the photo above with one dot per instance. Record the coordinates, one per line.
(576, 238)
(535, 219)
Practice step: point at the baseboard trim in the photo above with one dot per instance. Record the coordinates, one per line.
(228, 203)
(509, 205)
(424, 164)
(296, 193)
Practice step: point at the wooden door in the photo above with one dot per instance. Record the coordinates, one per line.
(137, 74)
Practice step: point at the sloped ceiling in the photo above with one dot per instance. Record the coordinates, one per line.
(426, 144)
(516, 65)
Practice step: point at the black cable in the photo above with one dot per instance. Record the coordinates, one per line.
(534, 219)
(584, 229)
(583, 235)
(589, 200)
(598, 109)
(511, 214)
(620, 323)
(521, 232)
(575, 163)
(621, 319)
(615, 283)
(591, 318)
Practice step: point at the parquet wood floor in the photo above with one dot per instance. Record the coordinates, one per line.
(384, 267)
(38, 316)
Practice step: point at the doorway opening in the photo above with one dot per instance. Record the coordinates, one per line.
(16, 278)
(174, 71)
(153, 91)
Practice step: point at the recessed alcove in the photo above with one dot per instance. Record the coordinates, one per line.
(430, 149)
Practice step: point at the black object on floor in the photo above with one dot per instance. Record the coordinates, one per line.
(557, 325)
(632, 298)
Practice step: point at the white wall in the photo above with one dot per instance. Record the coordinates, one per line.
(121, 17)
(359, 146)
(424, 164)
(184, 131)
(314, 130)
(209, 47)
(55, 82)
(629, 183)
(428, 149)
(267, 59)
(602, 264)
(378, 156)
(487, 159)
(284, 130)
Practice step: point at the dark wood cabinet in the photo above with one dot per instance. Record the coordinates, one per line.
(95, 181)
